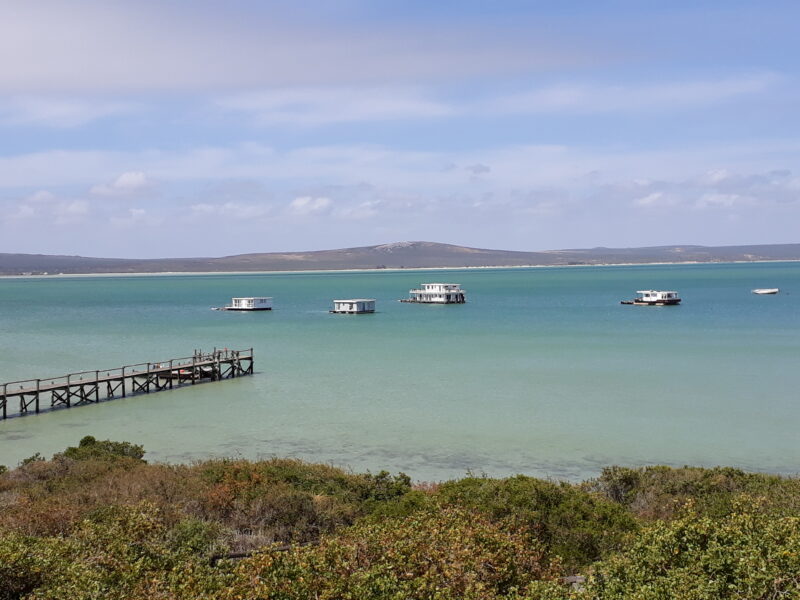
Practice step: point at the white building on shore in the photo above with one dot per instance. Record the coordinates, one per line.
(355, 306)
(438, 293)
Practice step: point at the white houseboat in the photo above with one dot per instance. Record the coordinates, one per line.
(654, 298)
(354, 306)
(253, 303)
(437, 293)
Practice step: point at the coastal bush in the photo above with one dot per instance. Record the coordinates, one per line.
(91, 448)
(284, 500)
(120, 553)
(31, 459)
(747, 555)
(97, 521)
(444, 554)
(252, 503)
(578, 526)
(197, 538)
(659, 492)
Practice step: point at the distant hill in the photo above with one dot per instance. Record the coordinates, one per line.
(393, 256)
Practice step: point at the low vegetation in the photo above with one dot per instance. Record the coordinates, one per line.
(98, 521)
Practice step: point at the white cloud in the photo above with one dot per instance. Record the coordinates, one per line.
(134, 217)
(42, 196)
(602, 98)
(21, 212)
(45, 206)
(51, 46)
(232, 210)
(720, 190)
(317, 106)
(128, 183)
(513, 167)
(47, 111)
(717, 200)
(715, 176)
(363, 210)
(74, 208)
(650, 199)
(308, 205)
(478, 169)
(324, 105)
(660, 199)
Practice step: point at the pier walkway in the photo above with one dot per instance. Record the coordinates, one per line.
(88, 387)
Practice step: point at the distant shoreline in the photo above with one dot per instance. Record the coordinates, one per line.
(392, 269)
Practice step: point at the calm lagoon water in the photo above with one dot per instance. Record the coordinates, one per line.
(542, 372)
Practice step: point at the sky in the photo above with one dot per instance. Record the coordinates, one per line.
(171, 129)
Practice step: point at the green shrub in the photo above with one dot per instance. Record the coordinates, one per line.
(31, 459)
(26, 563)
(746, 555)
(121, 553)
(196, 537)
(659, 492)
(90, 448)
(99, 522)
(578, 526)
(445, 554)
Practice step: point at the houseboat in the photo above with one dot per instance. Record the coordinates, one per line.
(354, 306)
(253, 303)
(437, 293)
(654, 298)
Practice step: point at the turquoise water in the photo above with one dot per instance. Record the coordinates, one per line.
(541, 372)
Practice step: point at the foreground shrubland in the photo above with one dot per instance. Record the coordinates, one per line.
(97, 521)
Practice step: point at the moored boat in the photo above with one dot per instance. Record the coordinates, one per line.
(766, 291)
(437, 293)
(655, 298)
(252, 303)
(354, 306)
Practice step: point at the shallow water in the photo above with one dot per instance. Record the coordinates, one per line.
(541, 372)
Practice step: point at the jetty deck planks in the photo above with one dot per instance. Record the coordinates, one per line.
(89, 387)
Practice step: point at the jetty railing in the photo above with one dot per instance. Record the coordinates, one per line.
(87, 387)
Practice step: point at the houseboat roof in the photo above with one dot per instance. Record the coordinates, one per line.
(656, 292)
(437, 283)
(357, 300)
(252, 298)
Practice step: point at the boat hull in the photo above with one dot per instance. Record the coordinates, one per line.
(653, 303)
(415, 301)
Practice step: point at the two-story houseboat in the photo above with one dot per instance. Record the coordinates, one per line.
(437, 293)
(654, 298)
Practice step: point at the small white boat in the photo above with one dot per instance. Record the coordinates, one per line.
(766, 291)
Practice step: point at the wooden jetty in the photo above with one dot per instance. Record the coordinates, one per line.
(89, 387)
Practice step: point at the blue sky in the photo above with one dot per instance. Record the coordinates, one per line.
(203, 128)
